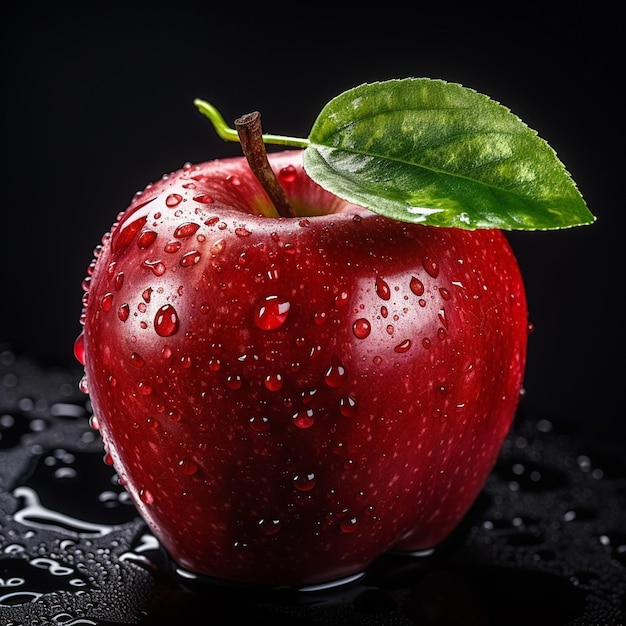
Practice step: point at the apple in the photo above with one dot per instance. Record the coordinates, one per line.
(286, 398)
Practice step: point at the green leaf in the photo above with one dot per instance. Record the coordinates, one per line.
(436, 153)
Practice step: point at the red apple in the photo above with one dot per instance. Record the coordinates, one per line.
(286, 399)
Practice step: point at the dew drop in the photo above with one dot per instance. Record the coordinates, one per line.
(172, 246)
(107, 302)
(426, 343)
(348, 524)
(242, 232)
(417, 286)
(203, 198)
(79, 349)
(273, 382)
(405, 346)
(259, 423)
(234, 382)
(342, 298)
(304, 482)
(186, 230)
(145, 496)
(137, 360)
(174, 199)
(431, 265)
(271, 312)
(217, 247)
(361, 328)
(146, 295)
(188, 467)
(335, 375)
(190, 258)
(166, 321)
(288, 174)
(145, 388)
(347, 406)
(304, 419)
(269, 526)
(118, 281)
(146, 239)
(156, 267)
(382, 288)
(445, 294)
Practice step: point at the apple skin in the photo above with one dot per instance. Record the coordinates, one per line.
(285, 399)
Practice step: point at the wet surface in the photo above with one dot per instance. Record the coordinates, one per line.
(545, 542)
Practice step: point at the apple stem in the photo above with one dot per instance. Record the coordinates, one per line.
(230, 134)
(251, 138)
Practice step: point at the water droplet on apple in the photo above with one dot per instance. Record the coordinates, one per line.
(417, 286)
(188, 467)
(347, 406)
(242, 232)
(190, 258)
(172, 246)
(145, 496)
(348, 524)
(79, 349)
(259, 423)
(530, 328)
(234, 382)
(174, 199)
(431, 265)
(217, 247)
(271, 312)
(166, 321)
(304, 482)
(94, 423)
(304, 419)
(288, 174)
(342, 298)
(377, 360)
(157, 267)
(106, 302)
(83, 385)
(144, 387)
(390, 329)
(186, 230)
(273, 382)
(382, 288)
(203, 198)
(118, 281)
(269, 526)
(335, 375)
(136, 360)
(404, 346)
(146, 239)
(445, 294)
(361, 328)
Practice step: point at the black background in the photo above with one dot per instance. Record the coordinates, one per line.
(97, 102)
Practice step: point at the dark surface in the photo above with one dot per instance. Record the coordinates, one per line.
(545, 543)
(97, 102)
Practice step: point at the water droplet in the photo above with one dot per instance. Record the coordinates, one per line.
(431, 265)
(377, 360)
(304, 482)
(361, 328)
(347, 406)
(190, 258)
(382, 288)
(288, 174)
(342, 298)
(146, 294)
(145, 388)
(118, 281)
(417, 286)
(203, 198)
(107, 302)
(273, 382)
(79, 349)
(174, 199)
(530, 328)
(348, 524)
(145, 496)
(136, 360)
(269, 526)
(172, 246)
(259, 423)
(445, 294)
(390, 329)
(146, 239)
(426, 343)
(157, 267)
(186, 230)
(242, 232)
(166, 321)
(405, 346)
(335, 375)
(304, 419)
(188, 467)
(234, 382)
(94, 423)
(271, 313)
(217, 247)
